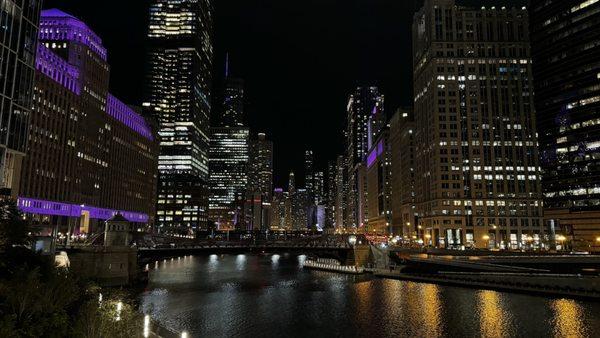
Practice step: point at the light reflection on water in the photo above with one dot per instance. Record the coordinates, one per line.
(268, 295)
(569, 318)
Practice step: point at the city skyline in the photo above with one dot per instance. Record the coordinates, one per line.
(284, 67)
(317, 168)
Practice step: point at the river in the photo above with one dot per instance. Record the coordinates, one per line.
(272, 296)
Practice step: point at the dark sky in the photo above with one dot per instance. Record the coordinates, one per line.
(300, 60)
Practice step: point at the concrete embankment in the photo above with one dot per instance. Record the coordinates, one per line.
(549, 284)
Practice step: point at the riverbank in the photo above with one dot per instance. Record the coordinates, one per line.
(545, 284)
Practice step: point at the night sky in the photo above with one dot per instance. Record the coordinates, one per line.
(300, 60)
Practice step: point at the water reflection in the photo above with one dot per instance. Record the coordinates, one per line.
(494, 319)
(265, 296)
(569, 319)
(432, 323)
(240, 262)
(275, 260)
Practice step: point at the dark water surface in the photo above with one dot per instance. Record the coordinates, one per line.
(271, 296)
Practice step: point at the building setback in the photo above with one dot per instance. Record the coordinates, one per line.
(566, 67)
(179, 95)
(478, 177)
(89, 155)
(17, 47)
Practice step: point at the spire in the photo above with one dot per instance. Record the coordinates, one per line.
(227, 65)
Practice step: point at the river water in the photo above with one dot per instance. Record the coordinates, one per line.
(272, 296)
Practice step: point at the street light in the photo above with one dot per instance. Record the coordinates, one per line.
(486, 238)
(598, 239)
(352, 240)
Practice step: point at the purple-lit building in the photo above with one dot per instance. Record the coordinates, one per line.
(378, 178)
(89, 155)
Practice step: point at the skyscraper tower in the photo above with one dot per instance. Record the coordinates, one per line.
(309, 172)
(292, 183)
(565, 50)
(179, 95)
(477, 178)
(233, 105)
(17, 48)
(229, 156)
(364, 103)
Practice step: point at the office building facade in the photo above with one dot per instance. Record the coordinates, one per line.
(478, 181)
(402, 158)
(179, 96)
(89, 155)
(565, 49)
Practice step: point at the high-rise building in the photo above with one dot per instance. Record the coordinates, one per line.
(564, 39)
(330, 193)
(341, 185)
(319, 188)
(292, 183)
(233, 104)
(18, 48)
(364, 103)
(402, 149)
(309, 172)
(478, 178)
(299, 210)
(260, 182)
(261, 166)
(378, 182)
(228, 174)
(278, 210)
(229, 157)
(89, 155)
(179, 95)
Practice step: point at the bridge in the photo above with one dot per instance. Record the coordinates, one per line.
(322, 246)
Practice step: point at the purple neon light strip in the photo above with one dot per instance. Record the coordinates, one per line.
(58, 69)
(56, 25)
(127, 116)
(50, 208)
(372, 158)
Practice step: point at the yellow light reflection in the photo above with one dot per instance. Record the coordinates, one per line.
(494, 319)
(431, 310)
(568, 319)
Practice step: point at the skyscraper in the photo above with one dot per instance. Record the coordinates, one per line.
(565, 49)
(341, 198)
(233, 105)
(309, 172)
(179, 95)
(292, 183)
(259, 190)
(402, 144)
(17, 47)
(478, 181)
(378, 181)
(362, 104)
(229, 157)
(330, 189)
(228, 174)
(261, 166)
